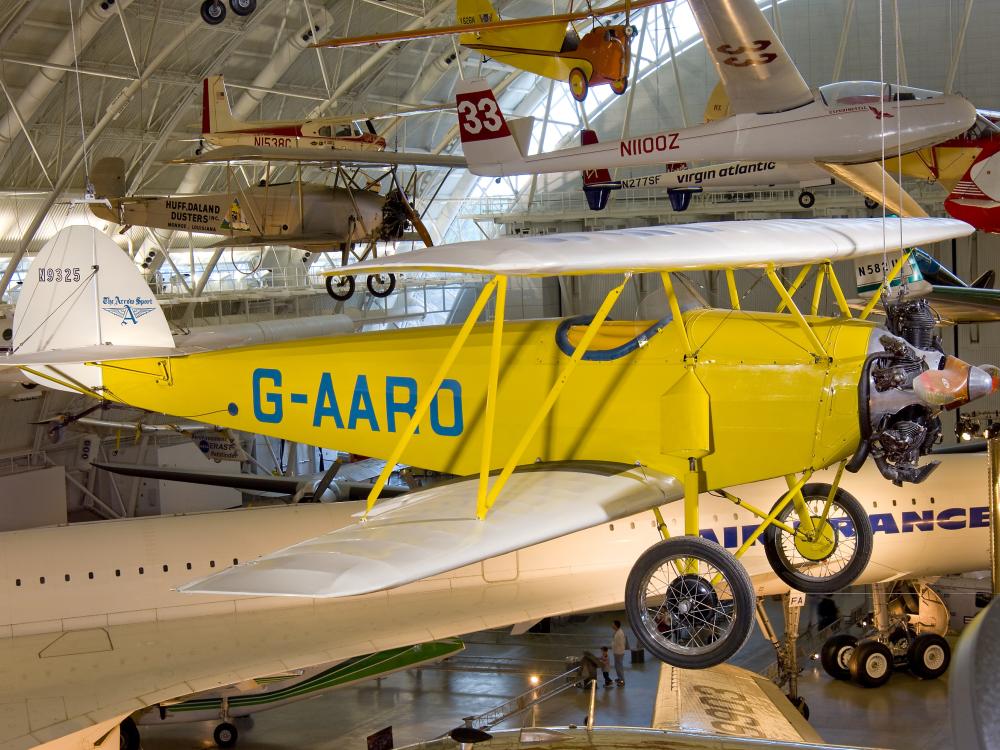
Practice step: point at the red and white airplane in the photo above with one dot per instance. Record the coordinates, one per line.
(219, 128)
(976, 197)
(842, 127)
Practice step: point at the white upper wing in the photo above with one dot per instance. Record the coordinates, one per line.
(680, 247)
(436, 530)
(317, 156)
(755, 69)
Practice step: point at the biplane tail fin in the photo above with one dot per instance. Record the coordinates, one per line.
(84, 300)
(597, 183)
(492, 147)
(216, 114)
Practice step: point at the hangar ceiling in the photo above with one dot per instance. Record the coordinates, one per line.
(87, 79)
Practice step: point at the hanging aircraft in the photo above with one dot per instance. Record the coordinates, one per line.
(331, 140)
(267, 692)
(976, 197)
(299, 214)
(117, 637)
(711, 373)
(944, 163)
(842, 127)
(548, 46)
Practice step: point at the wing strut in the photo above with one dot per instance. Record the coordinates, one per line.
(588, 336)
(425, 402)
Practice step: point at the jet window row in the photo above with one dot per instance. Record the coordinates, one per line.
(118, 573)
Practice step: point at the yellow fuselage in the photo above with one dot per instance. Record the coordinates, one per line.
(774, 409)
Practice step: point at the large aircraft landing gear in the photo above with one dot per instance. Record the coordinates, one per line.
(893, 644)
(785, 649)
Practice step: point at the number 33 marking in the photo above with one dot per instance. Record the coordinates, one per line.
(736, 53)
(483, 114)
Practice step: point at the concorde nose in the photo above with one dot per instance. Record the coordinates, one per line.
(955, 383)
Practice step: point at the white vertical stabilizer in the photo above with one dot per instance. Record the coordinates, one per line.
(82, 292)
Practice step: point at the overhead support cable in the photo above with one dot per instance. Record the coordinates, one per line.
(956, 54)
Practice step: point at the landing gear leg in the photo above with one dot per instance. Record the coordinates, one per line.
(785, 649)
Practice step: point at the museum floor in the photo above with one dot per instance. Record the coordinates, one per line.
(422, 704)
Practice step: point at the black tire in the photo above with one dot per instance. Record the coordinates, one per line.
(213, 12)
(807, 199)
(871, 664)
(835, 656)
(341, 293)
(225, 735)
(383, 291)
(695, 624)
(842, 565)
(128, 735)
(800, 705)
(870, 204)
(243, 7)
(929, 656)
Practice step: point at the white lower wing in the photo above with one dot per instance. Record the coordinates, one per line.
(436, 530)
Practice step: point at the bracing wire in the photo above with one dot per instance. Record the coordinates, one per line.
(79, 97)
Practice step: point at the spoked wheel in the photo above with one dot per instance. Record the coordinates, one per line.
(690, 602)
(620, 86)
(340, 287)
(836, 554)
(578, 84)
(381, 284)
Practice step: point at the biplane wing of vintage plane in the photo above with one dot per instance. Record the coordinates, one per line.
(548, 46)
(585, 420)
(843, 127)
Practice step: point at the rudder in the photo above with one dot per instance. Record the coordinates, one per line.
(216, 114)
(83, 291)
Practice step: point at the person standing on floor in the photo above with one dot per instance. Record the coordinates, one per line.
(618, 646)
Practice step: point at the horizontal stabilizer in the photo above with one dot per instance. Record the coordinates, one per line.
(80, 355)
(258, 482)
(250, 154)
(436, 530)
(676, 247)
(295, 240)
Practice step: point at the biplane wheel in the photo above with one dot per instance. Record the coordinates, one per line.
(620, 86)
(381, 284)
(870, 204)
(243, 7)
(213, 12)
(578, 84)
(691, 603)
(340, 287)
(837, 555)
(807, 199)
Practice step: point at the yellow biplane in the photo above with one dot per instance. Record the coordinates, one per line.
(548, 46)
(558, 425)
